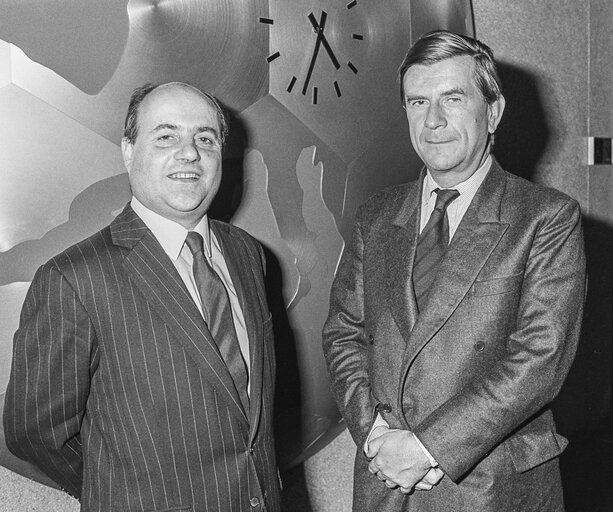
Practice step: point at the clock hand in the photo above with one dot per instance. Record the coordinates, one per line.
(322, 23)
(320, 35)
(315, 50)
(330, 52)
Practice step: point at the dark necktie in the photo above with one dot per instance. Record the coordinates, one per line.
(432, 245)
(218, 315)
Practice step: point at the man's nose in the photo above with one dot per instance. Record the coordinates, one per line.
(188, 152)
(435, 117)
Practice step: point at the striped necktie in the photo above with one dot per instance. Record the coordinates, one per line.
(432, 245)
(218, 315)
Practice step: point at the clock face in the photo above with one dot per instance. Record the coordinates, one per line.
(329, 36)
(332, 64)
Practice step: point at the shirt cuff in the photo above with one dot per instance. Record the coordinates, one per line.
(379, 422)
(432, 460)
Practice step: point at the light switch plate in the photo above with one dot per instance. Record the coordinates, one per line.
(599, 150)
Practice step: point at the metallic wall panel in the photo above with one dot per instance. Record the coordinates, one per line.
(65, 34)
(297, 165)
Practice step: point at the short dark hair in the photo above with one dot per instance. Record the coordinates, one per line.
(130, 130)
(439, 45)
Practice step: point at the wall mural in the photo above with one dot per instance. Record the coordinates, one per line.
(316, 124)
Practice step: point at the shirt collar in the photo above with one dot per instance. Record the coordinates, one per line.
(467, 186)
(170, 234)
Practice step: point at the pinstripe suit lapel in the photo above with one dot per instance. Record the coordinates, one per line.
(149, 267)
(249, 299)
(476, 237)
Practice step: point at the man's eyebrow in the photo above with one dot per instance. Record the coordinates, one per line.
(454, 90)
(164, 126)
(448, 92)
(207, 129)
(412, 97)
(199, 129)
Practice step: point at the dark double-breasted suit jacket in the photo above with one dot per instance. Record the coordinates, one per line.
(118, 391)
(471, 374)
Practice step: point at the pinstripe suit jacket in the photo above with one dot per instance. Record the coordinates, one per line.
(473, 373)
(118, 391)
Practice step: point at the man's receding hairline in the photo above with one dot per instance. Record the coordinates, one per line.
(178, 85)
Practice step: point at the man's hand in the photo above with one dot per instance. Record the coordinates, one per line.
(399, 461)
(433, 477)
(378, 432)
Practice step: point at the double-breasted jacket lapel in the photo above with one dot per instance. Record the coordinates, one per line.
(249, 298)
(399, 253)
(476, 237)
(152, 272)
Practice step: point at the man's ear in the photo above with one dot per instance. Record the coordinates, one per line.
(127, 150)
(494, 113)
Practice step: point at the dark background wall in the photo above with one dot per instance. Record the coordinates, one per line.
(558, 72)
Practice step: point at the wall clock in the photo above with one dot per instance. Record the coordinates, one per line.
(323, 60)
(332, 64)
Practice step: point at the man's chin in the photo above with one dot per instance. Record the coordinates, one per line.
(441, 166)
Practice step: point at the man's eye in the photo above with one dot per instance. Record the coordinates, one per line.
(205, 140)
(166, 139)
(416, 103)
(454, 99)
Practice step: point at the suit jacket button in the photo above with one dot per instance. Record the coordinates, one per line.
(479, 346)
(371, 339)
(254, 502)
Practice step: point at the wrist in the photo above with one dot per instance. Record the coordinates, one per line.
(428, 455)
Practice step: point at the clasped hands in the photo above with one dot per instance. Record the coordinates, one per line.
(398, 460)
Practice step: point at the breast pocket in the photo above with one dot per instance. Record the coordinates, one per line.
(497, 285)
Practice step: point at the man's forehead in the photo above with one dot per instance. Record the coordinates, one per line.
(174, 92)
(451, 72)
(177, 106)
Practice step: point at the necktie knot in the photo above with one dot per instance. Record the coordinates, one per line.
(195, 242)
(444, 197)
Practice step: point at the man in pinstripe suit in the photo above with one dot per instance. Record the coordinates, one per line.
(118, 390)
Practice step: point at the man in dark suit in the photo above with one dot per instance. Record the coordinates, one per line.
(143, 365)
(456, 309)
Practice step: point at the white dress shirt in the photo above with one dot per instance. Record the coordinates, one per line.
(455, 212)
(172, 239)
(457, 208)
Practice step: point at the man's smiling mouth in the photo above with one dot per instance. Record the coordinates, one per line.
(184, 176)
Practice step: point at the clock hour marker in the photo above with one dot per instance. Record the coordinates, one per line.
(352, 67)
(314, 95)
(352, 4)
(267, 21)
(291, 84)
(273, 57)
(359, 37)
(337, 89)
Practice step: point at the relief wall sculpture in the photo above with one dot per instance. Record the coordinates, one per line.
(317, 127)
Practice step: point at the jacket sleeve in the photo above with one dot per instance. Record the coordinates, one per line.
(345, 345)
(539, 352)
(49, 381)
